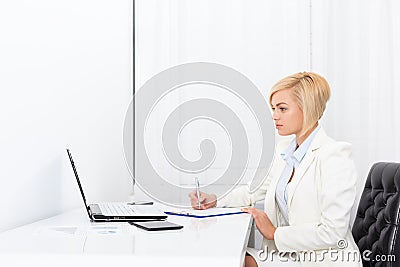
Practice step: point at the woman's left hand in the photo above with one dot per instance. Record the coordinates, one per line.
(263, 223)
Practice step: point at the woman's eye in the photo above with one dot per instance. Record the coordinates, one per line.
(283, 109)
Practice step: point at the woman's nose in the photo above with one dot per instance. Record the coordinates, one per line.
(274, 115)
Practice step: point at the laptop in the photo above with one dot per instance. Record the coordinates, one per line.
(116, 211)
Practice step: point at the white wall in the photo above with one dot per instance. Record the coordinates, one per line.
(65, 81)
(356, 47)
(263, 40)
(354, 44)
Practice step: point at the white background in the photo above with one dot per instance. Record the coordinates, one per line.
(352, 44)
(263, 40)
(66, 80)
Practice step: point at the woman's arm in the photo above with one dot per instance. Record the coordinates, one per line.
(246, 195)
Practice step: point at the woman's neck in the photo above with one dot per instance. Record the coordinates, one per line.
(302, 138)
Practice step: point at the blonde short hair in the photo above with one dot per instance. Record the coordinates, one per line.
(311, 92)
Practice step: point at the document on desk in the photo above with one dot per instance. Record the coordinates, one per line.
(213, 212)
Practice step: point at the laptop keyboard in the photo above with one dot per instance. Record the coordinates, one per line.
(116, 209)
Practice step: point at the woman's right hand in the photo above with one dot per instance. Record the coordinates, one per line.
(206, 200)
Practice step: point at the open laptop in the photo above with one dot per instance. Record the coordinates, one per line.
(104, 212)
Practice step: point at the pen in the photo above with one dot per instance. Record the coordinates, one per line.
(198, 191)
(141, 203)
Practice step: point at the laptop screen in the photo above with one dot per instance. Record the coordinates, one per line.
(79, 182)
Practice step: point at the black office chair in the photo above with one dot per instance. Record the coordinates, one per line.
(376, 227)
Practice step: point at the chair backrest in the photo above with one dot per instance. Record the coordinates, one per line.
(376, 226)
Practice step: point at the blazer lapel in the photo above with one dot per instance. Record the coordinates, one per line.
(319, 139)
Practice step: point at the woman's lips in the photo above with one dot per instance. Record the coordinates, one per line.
(277, 126)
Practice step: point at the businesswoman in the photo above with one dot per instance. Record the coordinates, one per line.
(310, 188)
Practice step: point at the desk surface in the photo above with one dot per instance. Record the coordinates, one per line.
(70, 238)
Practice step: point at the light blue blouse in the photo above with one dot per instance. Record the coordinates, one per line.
(293, 158)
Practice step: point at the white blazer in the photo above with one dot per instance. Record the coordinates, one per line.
(320, 199)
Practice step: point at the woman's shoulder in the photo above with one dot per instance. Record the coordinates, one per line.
(336, 156)
(330, 146)
(322, 143)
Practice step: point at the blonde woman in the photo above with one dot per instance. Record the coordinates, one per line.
(310, 189)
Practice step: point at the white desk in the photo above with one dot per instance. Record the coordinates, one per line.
(70, 239)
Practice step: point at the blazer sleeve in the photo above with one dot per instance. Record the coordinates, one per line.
(336, 180)
(245, 195)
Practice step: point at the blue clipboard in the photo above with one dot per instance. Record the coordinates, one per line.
(208, 214)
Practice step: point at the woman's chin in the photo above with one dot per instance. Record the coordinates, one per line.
(283, 133)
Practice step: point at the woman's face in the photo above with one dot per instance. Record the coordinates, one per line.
(287, 115)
